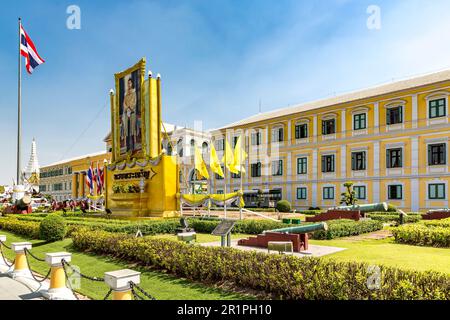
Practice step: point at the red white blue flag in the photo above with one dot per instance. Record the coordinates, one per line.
(28, 50)
(99, 179)
(90, 179)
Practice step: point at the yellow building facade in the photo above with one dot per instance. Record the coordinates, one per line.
(66, 179)
(391, 141)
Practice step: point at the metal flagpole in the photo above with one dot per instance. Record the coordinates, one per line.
(19, 110)
(242, 173)
(225, 176)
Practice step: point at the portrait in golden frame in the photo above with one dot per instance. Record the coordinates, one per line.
(129, 113)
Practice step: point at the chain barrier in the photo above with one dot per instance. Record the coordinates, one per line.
(27, 253)
(65, 263)
(108, 294)
(4, 244)
(4, 259)
(31, 254)
(68, 280)
(133, 285)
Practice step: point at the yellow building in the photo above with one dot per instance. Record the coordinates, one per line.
(390, 140)
(66, 179)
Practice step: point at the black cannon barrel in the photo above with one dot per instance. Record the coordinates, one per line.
(303, 229)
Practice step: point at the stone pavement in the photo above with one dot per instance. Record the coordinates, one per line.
(14, 290)
(314, 250)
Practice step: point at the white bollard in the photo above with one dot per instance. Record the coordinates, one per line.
(119, 282)
(58, 289)
(20, 264)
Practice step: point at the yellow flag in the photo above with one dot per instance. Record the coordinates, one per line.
(200, 164)
(214, 162)
(228, 158)
(239, 156)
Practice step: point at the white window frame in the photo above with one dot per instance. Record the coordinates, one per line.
(436, 96)
(391, 105)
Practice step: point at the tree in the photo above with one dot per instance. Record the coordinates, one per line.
(349, 197)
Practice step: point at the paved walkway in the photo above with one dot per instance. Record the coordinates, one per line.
(13, 290)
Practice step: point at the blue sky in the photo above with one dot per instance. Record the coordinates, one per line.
(217, 58)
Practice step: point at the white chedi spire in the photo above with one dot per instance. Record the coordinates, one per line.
(33, 164)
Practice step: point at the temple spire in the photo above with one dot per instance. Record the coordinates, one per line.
(33, 164)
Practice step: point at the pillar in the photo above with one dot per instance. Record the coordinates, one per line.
(58, 289)
(82, 184)
(20, 264)
(74, 185)
(119, 282)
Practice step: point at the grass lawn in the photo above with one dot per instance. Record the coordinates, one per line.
(159, 285)
(389, 253)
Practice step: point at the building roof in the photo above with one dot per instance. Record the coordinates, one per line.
(370, 92)
(90, 155)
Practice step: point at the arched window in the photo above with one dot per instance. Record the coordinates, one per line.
(180, 147)
(192, 143)
(205, 148)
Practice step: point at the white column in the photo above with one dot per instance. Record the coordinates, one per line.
(414, 155)
(343, 123)
(376, 159)
(289, 133)
(344, 161)
(415, 196)
(376, 191)
(314, 177)
(376, 117)
(315, 129)
(414, 110)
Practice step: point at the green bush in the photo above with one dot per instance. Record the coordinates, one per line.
(281, 276)
(25, 228)
(387, 218)
(422, 235)
(346, 228)
(444, 223)
(392, 208)
(52, 228)
(284, 206)
(241, 226)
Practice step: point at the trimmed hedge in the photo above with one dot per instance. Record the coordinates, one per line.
(346, 228)
(388, 218)
(52, 228)
(24, 228)
(284, 206)
(434, 233)
(242, 226)
(282, 276)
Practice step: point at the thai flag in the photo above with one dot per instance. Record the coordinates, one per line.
(90, 179)
(28, 50)
(98, 179)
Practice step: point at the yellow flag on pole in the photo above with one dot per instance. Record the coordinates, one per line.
(200, 164)
(214, 162)
(228, 158)
(239, 156)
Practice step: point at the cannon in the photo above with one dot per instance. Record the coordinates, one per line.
(296, 237)
(365, 208)
(309, 228)
(23, 203)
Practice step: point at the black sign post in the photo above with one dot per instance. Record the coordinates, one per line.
(223, 230)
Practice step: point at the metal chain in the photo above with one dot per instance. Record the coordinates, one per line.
(108, 294)
(133, 285)
(4, 259)
(3, 244)
(29, 252)
(135, 295)
(33, 272)
(68, 281)
(65, 263)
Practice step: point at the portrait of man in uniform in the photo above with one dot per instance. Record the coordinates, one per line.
(130, 113)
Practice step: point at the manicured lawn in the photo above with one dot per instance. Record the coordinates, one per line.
(389, 253)
(160, 285)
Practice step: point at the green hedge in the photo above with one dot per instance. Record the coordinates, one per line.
(435, 233)
(242, 226)
(52, 228)
(24, 228)
(281, 276)
(346, 228)
(387, 218)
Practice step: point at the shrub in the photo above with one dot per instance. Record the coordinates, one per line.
(24, 228)
(391, 208)
(444, 223)
(387, 218)
(284, 206)
(282, 276)
(421, 235)
(346, 228)
(241, 226)
(52, 228)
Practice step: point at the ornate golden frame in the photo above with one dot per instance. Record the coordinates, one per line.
(116, 136)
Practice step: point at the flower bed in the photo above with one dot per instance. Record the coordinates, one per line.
(282, 276)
